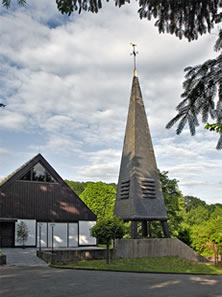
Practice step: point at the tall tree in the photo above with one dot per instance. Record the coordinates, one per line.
(100, 198)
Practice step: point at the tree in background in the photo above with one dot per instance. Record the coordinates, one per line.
(191, 202)
(77, 187)
(22, 231)
(207, 238)
(108, 229)
(100, 198)
(172, 196)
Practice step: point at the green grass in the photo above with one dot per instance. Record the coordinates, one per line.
(161, 264)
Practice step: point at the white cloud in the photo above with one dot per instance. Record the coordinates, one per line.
(3, 151)
(102, 165)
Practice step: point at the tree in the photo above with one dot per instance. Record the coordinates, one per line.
(106, 230)
(7, 3)
(184, 18)
(202, 87)
(22, 231)
(100, 198)
(77, 187)
(172, 196)
(207, 237)
(191, 202)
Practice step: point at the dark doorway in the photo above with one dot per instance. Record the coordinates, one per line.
(7, 231)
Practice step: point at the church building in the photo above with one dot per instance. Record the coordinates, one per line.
(53, 213)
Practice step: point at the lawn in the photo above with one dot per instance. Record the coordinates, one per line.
(161, 264)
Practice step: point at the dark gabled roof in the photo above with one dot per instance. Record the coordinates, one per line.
(22, 170)
(41, 200)
(14, 172)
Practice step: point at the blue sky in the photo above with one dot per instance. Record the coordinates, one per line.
(66, 82)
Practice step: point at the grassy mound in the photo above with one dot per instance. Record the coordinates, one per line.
(161, 264)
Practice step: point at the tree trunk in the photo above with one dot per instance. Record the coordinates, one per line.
(107, 253)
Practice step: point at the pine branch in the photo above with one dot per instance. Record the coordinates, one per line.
(202, 85)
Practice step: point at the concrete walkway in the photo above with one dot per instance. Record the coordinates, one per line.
(22, 257)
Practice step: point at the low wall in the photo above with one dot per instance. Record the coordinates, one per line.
(2, 259)
(70, 256)
(155, 247)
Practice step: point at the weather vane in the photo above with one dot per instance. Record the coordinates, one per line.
(134, 53)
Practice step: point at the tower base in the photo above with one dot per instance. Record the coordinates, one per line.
(155, 247)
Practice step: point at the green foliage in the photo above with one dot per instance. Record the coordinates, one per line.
(196, 216)
(100, 198)
(214, 127)
(207, 237)
(22, 232)
(201, 227)
(106, 230)
(77, 187)
(191, 202)
(172, 195)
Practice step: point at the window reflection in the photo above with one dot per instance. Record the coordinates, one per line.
(38, 173)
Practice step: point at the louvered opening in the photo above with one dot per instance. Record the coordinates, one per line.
(124, 189)
(148, 188)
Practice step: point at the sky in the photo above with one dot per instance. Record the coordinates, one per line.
(66, 82)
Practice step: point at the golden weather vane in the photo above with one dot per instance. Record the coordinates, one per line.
(134, 53)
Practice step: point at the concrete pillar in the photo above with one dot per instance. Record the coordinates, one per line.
(134, 229)
(165, 229)
(144, 229)
(149, 230)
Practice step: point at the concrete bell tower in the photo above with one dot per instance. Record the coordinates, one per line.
(139, 193)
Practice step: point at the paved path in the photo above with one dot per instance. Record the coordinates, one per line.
(17, 281)
(22, 257)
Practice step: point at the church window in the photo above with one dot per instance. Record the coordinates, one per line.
(38, 173)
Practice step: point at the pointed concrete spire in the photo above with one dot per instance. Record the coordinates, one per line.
(139, 193)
